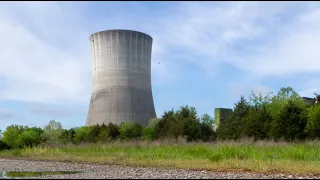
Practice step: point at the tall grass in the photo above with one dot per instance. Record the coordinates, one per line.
(262, 156)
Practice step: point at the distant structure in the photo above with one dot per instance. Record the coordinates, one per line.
(309, 101)
(121, 88)
(219, 115)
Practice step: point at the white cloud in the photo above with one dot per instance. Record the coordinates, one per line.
(244, 88)
(263, 38)
(46, 54)
(34, 67)
(309, 92)
(53, 112)
(36, 70)
(295, 52)
(210, 29)
(309, 87)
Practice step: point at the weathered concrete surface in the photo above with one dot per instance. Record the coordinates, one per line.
(121, 89)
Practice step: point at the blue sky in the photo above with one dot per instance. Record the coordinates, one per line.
(210, 53)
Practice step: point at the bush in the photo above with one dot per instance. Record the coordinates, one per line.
(208, 120)
(232, 127)
(313, 124)
(31, 137)
(113, 131)
(81, 134)
(52, 132)
(4, 146)
(257, 123)
(284, 115)
(290, 123)
(93, 133)
(67, 136)
(129, 130)
(207, 133)
(149, 133)
(192, 129)
(12, 136)
(104, 134)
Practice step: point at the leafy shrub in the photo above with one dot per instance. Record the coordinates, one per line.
(113, 131)
(12, 136)
(81, 134)
(104, 134)
(67, 136)
(313, 124)
(129, 130)
(192, 129)
(52, 132)
(207, 133)
(149, 133)
(290, 123)
(31, 137)
(4, 146)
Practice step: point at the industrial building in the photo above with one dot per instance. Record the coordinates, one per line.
(309, 101)
(219, 115)
(121, 78)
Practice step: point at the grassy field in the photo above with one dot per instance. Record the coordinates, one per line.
(298, 158)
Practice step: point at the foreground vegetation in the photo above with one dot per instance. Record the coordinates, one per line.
(300, 158)
(283, 132)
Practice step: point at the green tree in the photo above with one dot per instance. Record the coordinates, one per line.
(281, 99)
(4, 146)
(317, 101)
(52, 132)
(260, 100)
(149, 133)
(64, 137)
(277, 107)
(207, 133)
(168, 126)
(232, 126)
(81, 134)
(67, 136)
(104, 134)
(192, 129)
(12, 136)
(186, 111)
(313, 124)
(113, 131)
(53, 125)
(173, 123)
(31, 137)
(290, 123)
(208, 120)
(257, 123)
(94, 131)
(129, 130)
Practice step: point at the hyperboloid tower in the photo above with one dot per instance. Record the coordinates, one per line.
(121, 79)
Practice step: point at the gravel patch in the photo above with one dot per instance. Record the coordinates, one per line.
(93, 171)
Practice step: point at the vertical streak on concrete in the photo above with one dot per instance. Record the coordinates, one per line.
(121, 88)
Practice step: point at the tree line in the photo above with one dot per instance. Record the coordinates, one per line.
(173, 124)
(284, 116)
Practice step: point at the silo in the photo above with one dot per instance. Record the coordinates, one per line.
(220, 114)
(121, 79)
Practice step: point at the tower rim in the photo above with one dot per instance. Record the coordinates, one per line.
(124, 30)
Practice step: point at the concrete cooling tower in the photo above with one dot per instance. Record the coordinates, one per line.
(121, 88)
